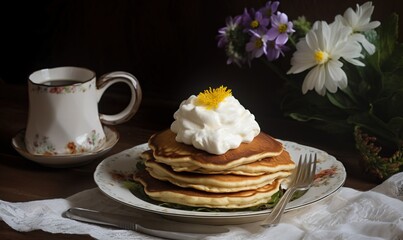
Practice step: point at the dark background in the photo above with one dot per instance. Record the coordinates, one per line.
(169, 45)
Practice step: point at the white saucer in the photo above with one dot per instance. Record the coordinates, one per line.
(112, 137)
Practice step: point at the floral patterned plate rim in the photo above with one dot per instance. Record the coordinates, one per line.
(330, 177)
(112, 137)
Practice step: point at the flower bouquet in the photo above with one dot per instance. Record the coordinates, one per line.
(354, 65)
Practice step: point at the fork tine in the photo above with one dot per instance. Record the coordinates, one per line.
(298, 171)
(306, 168)
(309, 168)
(313, 172)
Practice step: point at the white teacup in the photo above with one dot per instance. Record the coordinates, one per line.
(63, 110)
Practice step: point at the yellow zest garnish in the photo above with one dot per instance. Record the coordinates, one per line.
(212, 97)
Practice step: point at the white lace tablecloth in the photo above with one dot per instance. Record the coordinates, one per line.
(349, 214)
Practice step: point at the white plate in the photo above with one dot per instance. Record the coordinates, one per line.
(112, 137)
(331, 176)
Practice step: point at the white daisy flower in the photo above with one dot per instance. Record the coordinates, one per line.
(360, 21)
(321, 50)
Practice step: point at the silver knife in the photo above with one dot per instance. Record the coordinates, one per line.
(149, 225)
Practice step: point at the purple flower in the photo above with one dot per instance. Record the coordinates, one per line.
(254, 34)
(254, 20)
(274, 50)
(257, 44)
(224, 33)
(233, 38)
(269, 9)
(280, 28)
(246, 17)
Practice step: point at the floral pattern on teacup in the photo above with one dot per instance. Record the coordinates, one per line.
(63, 89)
(92, 140)
(43, 146)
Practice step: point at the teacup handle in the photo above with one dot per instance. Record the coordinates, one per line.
(105, 82)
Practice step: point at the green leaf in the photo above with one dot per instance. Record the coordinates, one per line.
(370, 83)
(309, 104)
(331, 125)
(364, 83)
(395, 60)
(373, 60)
(316, 110)
(388, 35)
(388, 52)
(345, 99)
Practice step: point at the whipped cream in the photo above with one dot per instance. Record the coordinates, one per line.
(214, 130)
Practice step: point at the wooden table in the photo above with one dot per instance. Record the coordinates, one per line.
(23, 180)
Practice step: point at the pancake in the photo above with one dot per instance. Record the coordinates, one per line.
(216, 183)
(183, 157)
(146, 155)
(166, 192)
(281, 162)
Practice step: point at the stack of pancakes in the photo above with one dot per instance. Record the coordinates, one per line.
(243, 177)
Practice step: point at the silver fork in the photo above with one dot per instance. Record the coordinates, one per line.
(302, 180)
